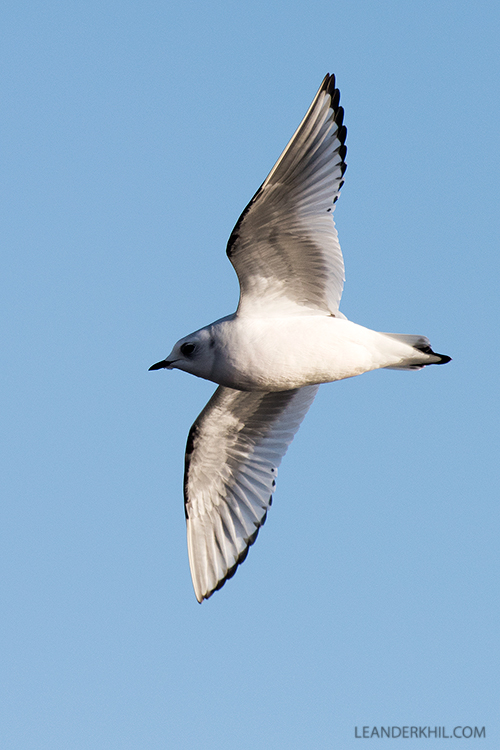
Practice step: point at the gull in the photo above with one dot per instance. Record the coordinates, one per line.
(286, 337)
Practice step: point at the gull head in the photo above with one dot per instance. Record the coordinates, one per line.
(193, 353)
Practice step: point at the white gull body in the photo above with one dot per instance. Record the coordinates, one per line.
(286, 337)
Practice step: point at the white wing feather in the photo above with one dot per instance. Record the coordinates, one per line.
(284, 246)
(233, 451)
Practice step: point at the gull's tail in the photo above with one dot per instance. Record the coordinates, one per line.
(419, 344)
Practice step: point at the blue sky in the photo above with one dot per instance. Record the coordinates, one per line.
(133, 136)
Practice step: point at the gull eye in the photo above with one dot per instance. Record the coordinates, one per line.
(187, 349)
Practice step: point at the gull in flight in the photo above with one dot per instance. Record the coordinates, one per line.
(269, 357)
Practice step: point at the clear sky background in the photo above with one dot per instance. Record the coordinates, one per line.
(134, 134)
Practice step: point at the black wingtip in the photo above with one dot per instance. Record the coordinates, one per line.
(328, 84)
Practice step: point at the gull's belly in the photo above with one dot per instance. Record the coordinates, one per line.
(283, 353)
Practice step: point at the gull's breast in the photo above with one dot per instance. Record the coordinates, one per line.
(276, 354)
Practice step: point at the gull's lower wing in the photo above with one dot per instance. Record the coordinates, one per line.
(284, 246)
(233, 451)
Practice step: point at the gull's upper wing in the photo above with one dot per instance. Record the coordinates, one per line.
(284, 246)
(233, 451)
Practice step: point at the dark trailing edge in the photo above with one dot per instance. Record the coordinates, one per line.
(242, 557)
(236, 231)
(193, 432)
